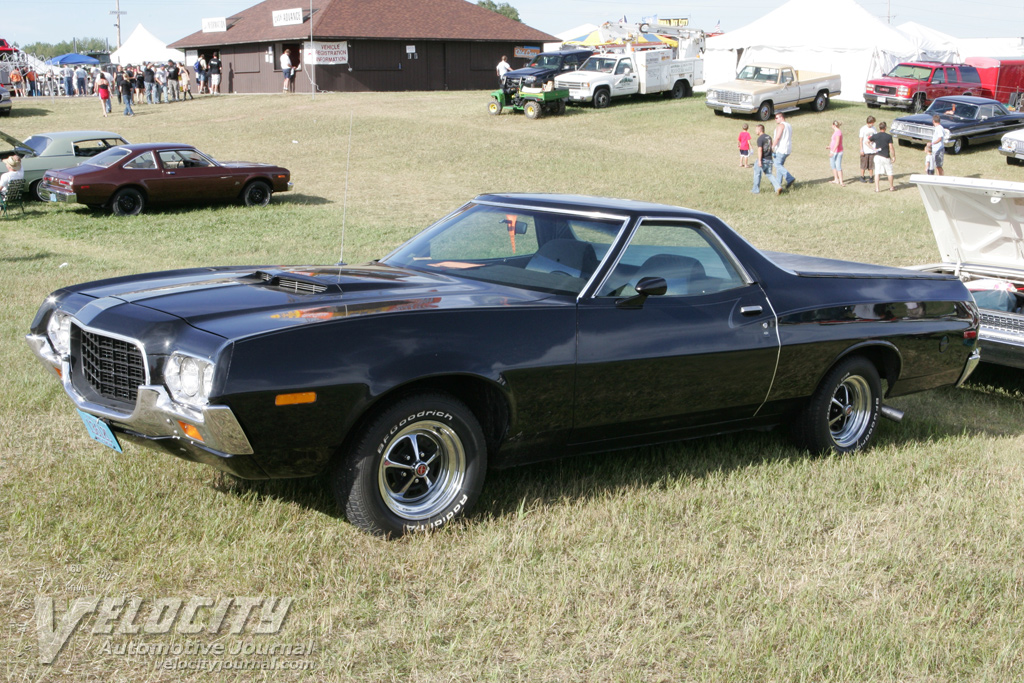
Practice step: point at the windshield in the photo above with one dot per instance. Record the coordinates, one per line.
(760, 74)
(955, 110)
(547, 61)
(917, 73)
(601, 64)
(525, 248)
(108, 158)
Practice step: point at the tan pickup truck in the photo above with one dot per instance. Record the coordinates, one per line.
(766, 88)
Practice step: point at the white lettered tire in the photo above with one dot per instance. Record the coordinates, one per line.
(416, 466)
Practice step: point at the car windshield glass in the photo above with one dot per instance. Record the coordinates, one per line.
(546, 61)
(917, 73)
(37, 143)
(955, 110)
(525, 248)
(761, 74)
(108, 158)
(601, 64)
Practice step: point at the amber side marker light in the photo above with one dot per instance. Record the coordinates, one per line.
(190, 431)
(295, 399)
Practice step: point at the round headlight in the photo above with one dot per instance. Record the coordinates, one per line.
(189, 379)
(58, 330)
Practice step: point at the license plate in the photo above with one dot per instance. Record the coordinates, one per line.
(727, 110)
(53, 197)
(881, 100)
(100, 431)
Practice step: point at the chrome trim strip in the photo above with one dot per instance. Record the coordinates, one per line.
(972, 363)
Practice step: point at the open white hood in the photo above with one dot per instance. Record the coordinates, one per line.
(976, 222)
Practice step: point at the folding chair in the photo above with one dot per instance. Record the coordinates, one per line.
(15, 197)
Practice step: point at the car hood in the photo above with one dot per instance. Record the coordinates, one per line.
(15, 144)
(975, 221)
(240, 301)
(529, 71)
(749, 87)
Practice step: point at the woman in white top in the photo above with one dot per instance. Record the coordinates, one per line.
(14, 172)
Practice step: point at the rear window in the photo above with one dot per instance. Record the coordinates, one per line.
(968, 74)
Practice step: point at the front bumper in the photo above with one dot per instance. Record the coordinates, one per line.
(1012, 149)
(888, 100)
(159, 422)
(727, 108)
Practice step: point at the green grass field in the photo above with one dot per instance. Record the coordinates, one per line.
(735, 558)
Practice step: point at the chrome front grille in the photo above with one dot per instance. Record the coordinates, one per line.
(729, 97)
(113, 368)
(885, 90)
(1002, 323)
(917, 130)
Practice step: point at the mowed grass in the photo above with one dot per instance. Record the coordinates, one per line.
(734, 558)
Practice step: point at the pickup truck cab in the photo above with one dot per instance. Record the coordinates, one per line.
(632, 72)
(766, 88)
(914, 85)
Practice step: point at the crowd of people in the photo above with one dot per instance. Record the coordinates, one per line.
(876, 146)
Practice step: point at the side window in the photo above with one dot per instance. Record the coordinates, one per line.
(90, 148)
(143, 161)
(625, 66)
(787, 76)
(939, 77)
(193, 159)
(171, 160)
(969, 74)
(686, 254)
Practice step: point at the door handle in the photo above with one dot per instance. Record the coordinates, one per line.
(750, 310)
(170, 172)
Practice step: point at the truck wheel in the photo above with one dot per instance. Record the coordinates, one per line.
(821, 101)
(765, 111)
(874, 105)
(842, 414)
(417, 466)
(532, 110)
(957, 145)
(918, 105)
(494, 106)
(680, 90)
(602, 98)
(560, 108)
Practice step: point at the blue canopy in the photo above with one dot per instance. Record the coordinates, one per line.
(72, 58)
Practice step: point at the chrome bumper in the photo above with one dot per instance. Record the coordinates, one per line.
(62, 197)
(155, 415)
(972, 363)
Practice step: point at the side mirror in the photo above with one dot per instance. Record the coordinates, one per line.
(648, 286)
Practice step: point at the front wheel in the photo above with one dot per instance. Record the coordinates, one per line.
(602, 98)
(765, 111)
(842, 414)
(532, 110)
(417, 466)
(256, 193)
(494, 107)
(918, 105)
(128, 202)
(957, 145)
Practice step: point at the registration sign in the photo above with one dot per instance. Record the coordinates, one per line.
(100, 431)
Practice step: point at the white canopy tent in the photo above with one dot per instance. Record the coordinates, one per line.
(931, 44)
(143, 46)
(835, 36)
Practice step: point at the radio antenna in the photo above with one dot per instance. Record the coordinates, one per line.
(344, 201)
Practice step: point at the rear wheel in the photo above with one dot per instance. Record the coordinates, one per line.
(35, 190)
(678, 90)
(602, 98)
(532, 110)
(256, 193)
(842, 414)
(821, 101)
(127, 202)
(417, 466)
(765, 111)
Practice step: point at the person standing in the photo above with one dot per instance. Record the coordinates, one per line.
(30, 82)
(286, 69)
(885, 156)
(929, 159)
(17, 82)
(160, 84)
(200, 68)
(835, 153)
(127, 85)
(503, 68)
(80, 77)
(744, 143)
(173, 76)
(149, 81)
(939, 137)
(764, 160)
(214, 72)
(186, 86)
(103, 92)
(782, 145)
(68, 76)
(867, 152)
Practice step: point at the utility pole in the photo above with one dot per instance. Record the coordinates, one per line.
(117, 12)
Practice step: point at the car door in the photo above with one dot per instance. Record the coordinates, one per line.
(624, 82)
(789, 91)
(702, 353)
(193, 176)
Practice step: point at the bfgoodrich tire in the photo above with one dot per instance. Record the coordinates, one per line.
(416, 466)
(842, 414)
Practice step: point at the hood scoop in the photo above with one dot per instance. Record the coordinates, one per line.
(296, 283)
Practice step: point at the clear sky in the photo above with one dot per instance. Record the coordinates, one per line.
(52, 21)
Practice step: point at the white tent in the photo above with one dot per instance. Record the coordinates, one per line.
(835, 36)
(931, 44)
(143, 46)
(991, 47)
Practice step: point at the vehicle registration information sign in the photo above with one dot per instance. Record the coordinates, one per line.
(100, 431)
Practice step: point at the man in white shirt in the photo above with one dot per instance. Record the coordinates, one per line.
(939, 137)
(503, 68)
(867, 150)
(782, 147)
(286, 68)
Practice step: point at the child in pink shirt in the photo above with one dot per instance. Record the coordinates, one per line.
(744, 141)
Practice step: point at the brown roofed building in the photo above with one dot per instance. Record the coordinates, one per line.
(375, 45)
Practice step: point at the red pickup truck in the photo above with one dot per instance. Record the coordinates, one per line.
(6, 47)
(913, 85)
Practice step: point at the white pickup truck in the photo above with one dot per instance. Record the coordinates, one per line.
(766, 88)
(630, 72)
